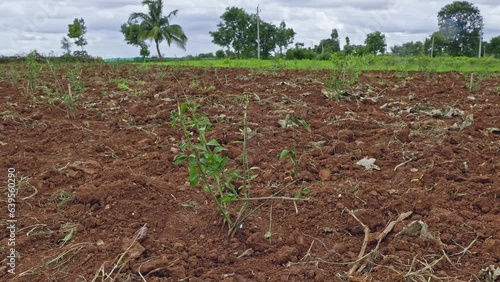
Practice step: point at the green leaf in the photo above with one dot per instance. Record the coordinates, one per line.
(185, 145)
(213, 142)
(68, 236)
(219, 149)
(284, 153)
(288, 120)
(223, 162)
(183, 107)
(230, 186)
(253, 176)
(179, 159)
(306, 191)
(228, 198)
(199, 147)
(194, 177)
(239, 142)
(303, 123)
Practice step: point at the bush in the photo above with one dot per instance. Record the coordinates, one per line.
(325, 56)
(300, 54)
(220, 54)
(205, 56)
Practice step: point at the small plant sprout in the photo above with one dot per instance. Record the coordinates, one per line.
(293, 122)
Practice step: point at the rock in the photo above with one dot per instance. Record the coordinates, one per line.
(133, 248)
(71, 173)
(286, 254)
(340, 148)
(177, 272)
(493, 247)
(346, 136)
(257, 242)
(296, 238)
(306, 175)
(403, 135)
(154, 264)
(178, 246)
(325, 174)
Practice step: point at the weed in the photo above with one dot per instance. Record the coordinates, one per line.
(425, 64)
(195, 84)
(15, 76)
(473, 80)
(344, 75)
(61, 197)
(123, 86)
(33, 73)
(75, 78)
(69, 229)
(57, 92)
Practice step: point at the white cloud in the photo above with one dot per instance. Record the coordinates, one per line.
(40, 24)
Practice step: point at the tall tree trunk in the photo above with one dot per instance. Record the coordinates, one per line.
(158, 49)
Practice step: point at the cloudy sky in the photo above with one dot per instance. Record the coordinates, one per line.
(40, 24)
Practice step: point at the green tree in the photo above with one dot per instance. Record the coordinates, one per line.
(439, 47)
(232, 31)
(267, 37)
(347, 47)
(220, 54)
(132, 35)
(284, 37)
(77, 31)
(156, 27)
(493, 47)
(329, 45)
(375, 43)
(408, 49)
(238, 30)
(66, 45)
(461, 24)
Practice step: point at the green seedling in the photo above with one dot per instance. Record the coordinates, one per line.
(207, 167)
(293, 122)
(195, 84)
(123, 86)
(69, 229)
(61, 197)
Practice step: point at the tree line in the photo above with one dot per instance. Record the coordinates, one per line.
(240, 35)
(460, 31)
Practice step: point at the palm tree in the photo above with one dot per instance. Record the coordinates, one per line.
(156, 27)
